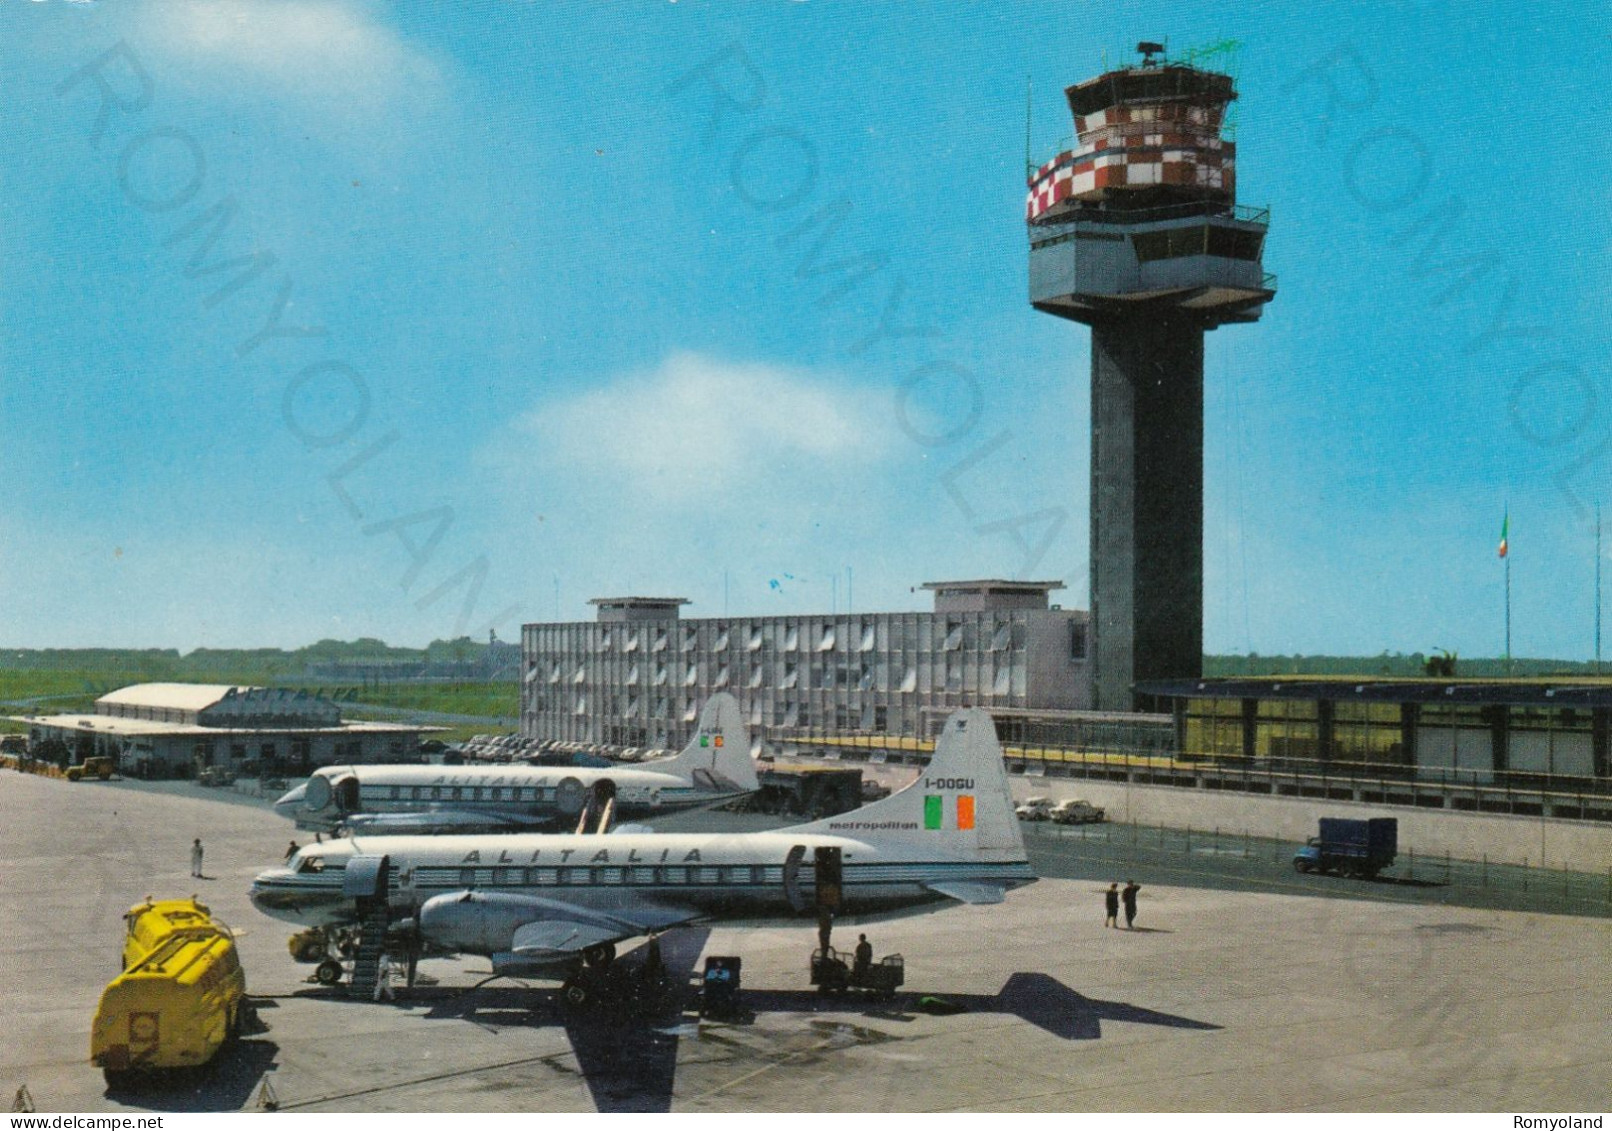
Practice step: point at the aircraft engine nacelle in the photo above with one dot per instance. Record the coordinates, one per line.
(338, 793)
(472, 922)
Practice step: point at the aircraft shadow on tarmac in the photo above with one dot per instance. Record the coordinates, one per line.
(629, 1059)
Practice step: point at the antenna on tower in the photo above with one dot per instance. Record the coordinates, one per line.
(1029, 102)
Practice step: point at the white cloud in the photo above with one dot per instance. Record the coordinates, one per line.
(305, 47)
(698, 431)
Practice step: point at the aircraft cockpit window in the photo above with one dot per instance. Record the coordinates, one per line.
(308, 864)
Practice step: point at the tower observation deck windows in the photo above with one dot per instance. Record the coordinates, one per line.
(1204, 239)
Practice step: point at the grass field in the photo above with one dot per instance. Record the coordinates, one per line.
(500, 700)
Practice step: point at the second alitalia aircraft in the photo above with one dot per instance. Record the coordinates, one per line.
(713, 768)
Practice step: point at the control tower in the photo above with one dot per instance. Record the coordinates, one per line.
(1136, 232)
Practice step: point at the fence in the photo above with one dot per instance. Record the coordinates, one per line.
(1267, 863)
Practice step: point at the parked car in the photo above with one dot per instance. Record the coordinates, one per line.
(1075, 812)
(1034, 809)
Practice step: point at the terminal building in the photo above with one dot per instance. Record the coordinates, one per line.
(1551, 733)
(178, 729)
(638, 674)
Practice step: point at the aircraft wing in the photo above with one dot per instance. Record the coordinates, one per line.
(433, 821)
(966, 892)
(547, 937)
(537, 927)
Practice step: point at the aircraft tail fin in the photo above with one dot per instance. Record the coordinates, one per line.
(718, 756)
(961, 802)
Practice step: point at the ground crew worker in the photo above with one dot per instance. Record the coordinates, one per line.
(654, 965)
(825, 929)
(290, 852)
(1111, 903)
(196, 857)
(383, 980)
(864, 957)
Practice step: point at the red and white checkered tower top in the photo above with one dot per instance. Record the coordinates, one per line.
(1146, 136)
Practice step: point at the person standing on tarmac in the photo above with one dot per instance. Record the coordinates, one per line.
(1128, 897)
(1111, 904)
(383, 980)
(196, 857)
(864, 957)
(290, 852)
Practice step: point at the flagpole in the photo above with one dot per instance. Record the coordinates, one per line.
(1508, 616)
(1505, 554)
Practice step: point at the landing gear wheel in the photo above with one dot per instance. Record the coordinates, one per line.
(328, 972)
(600, 955)
(119, 1079)
(1301, 866)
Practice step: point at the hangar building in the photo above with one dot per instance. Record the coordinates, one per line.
(174, 729)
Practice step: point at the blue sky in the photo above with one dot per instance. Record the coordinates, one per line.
(573, 342)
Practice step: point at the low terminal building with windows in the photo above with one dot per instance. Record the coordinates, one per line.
(178, 729)
(1483, 743)
(638, 675)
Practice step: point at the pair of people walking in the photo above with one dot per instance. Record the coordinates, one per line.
(1113, 898)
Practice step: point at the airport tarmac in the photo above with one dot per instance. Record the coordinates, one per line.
(1226, 1000)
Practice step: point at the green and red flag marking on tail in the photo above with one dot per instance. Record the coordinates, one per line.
(935, 811)
(1505, 528)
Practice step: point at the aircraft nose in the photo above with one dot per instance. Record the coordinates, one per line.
(288, 805)
(273, 892)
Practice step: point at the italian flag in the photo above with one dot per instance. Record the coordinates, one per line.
(1505, 526)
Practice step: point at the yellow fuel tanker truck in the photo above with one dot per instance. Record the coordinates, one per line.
(180, 998)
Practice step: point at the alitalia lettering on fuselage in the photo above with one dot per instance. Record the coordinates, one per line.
(948, 783)
(602, 856)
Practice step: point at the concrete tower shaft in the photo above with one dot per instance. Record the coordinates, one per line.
(1146, 505)
(1136, 232)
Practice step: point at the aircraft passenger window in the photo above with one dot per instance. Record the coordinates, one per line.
(436, 793)
(467, 876)
(498, 793)
(548, 876)
(674, 875)
(643, 875)
(458, 793)
(573, 875)
(396, 792)
(708, 875)
(475, 794)
(610, 875)
(509, 876)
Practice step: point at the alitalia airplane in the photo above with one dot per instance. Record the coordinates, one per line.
(713, 768)
(542, 904)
